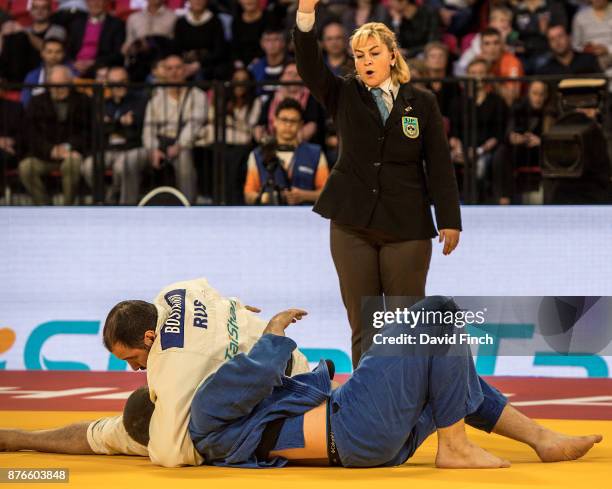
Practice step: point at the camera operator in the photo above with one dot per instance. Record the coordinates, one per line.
(285, 171)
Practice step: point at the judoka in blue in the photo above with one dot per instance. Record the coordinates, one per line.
(393, 401)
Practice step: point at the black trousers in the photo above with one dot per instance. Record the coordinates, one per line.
(372, 263)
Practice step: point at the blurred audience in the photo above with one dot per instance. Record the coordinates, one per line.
(12, 129)
(517, 160)
(564, 60)
(199, 38)
(174, 119)
(123, 150)
(95, 39)
(58, 124)
(360, 12)
(335, 49)
(414, 25)
(270, 67)
(592, 32)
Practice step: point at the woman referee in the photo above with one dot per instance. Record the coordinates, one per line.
(379, 193)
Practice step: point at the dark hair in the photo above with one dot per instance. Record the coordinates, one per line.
(137, 414)
(250, 95)
(489, 32)
(54, 40)
(289, 104)
(127, 323)
(331, 21)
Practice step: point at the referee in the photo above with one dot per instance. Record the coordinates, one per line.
(379, 192)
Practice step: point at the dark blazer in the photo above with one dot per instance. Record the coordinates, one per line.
(379, 180)
(112, 38)
(45, 129)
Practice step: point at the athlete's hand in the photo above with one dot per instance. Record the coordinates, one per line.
(450, 238)
(307, 6)
(279, 323)
(253, 309)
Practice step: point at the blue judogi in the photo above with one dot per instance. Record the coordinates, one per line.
(394, 400)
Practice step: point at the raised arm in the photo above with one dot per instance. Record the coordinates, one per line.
(70, 439)
(324, 85)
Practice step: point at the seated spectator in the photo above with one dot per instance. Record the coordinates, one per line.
(491, 111)
(199, 38)
(243, 110)
(517, 160)
(564, 60)
(312, 112)
(532, 18)
(149, 34)
(456, 16)
(436, 62)
(21, 47)
(11, 133)
(500, 18)
(592, 31)
(248, 26)
(299, 170)
(503, 64)
(270, 67)
(414, 26)
(335, 49)
(95, 39)
(59, 132)
(360, 12)
(52, 54)
(123, 151)
(157, 74)
(173, 123)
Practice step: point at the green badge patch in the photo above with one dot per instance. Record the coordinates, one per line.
(410, 126)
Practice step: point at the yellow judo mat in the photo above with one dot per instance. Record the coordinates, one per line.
(118, 472)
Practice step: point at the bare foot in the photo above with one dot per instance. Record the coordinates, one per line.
(466, 455)
(555, 447)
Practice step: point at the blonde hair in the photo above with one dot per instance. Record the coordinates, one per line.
(400, 73)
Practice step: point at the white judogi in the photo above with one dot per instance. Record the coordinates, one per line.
(197, 330)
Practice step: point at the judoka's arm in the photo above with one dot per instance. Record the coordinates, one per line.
(70, 439)
(244, 381)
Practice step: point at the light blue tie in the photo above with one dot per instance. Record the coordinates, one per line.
(377, 93)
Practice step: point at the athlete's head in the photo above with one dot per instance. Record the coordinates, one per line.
(377, 55)
(137, 414)
(129, 332)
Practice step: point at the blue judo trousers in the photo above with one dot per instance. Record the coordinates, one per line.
(397, 396)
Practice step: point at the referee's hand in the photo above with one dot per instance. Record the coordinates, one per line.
(307, 6)
(450, 238)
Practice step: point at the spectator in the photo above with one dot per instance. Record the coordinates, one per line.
(157, 74)
(414, 26)
(302, 170)
(11, 132)
(174, 119)
(503, 64)
(456, 16)
(592, 31)
(248, 26)
(22, 45)
(500, 18)
(436, 62)
(243, 110)
(312, 112)
(199, 38)
(52, 54)
(491, 113)
(335, 49)
(566, 61)
(532, 18)
(149, 34)
(271, 66)
(95, 39)
(360, 12)
(518, 157)
(123, 152)
(59, 130)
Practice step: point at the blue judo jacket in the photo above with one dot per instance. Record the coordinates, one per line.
(233, 406)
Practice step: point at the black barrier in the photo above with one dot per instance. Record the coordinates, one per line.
(213, 178)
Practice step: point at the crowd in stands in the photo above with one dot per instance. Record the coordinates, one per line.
(146, 130)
